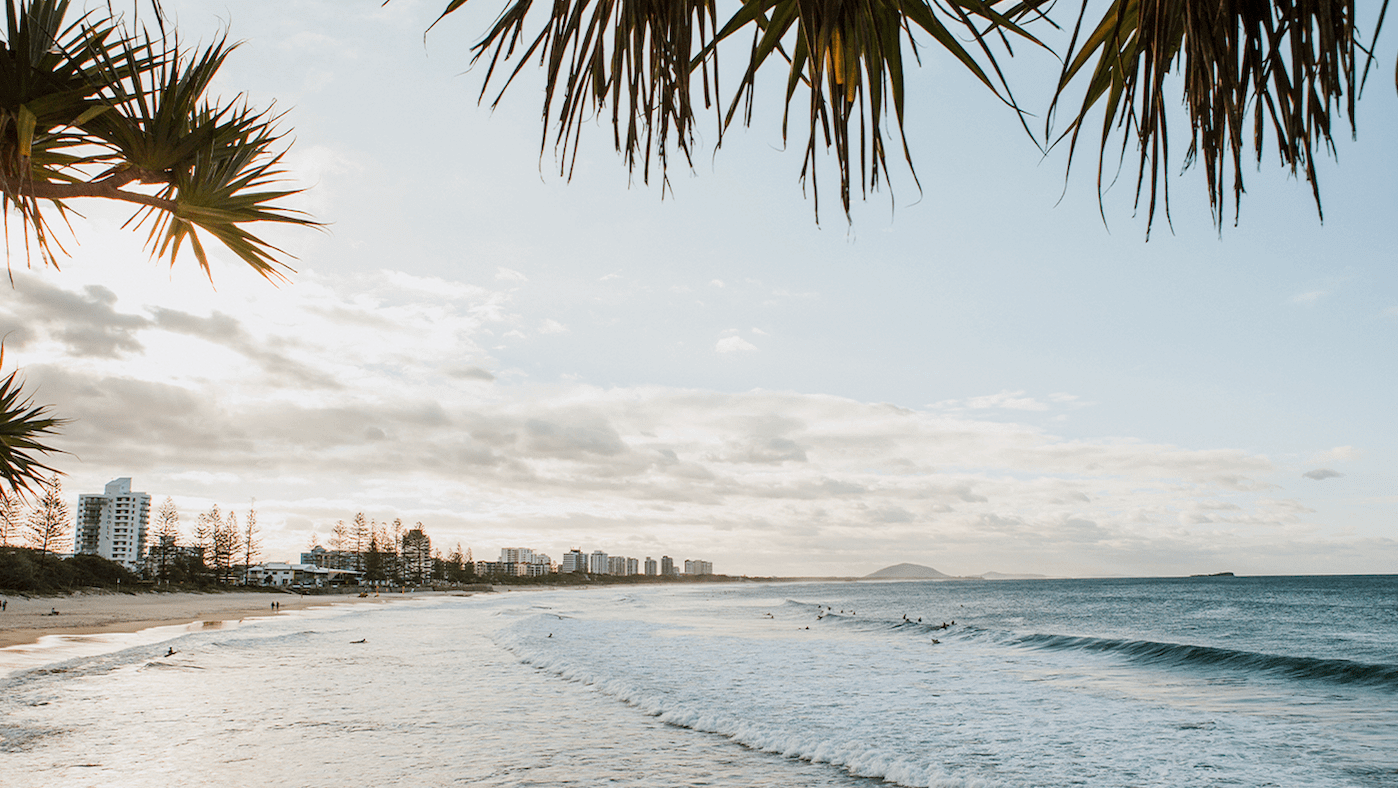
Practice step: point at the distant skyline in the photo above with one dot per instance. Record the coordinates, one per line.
(978, 379)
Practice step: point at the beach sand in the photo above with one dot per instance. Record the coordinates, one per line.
(24, 620)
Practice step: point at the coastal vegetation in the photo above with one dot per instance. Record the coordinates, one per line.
(30, 571)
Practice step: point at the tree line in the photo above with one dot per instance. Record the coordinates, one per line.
(44, 526)
(220, 550)
(390, 553)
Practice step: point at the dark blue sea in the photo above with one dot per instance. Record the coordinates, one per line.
(1219, 681)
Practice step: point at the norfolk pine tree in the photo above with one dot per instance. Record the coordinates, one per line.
(251, 545)
(167, 537)
(48, 523)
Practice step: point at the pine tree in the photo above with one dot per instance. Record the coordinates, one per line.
(226, 538)
(167, 536)
(11, 517)
(204, 529)
(359, 538)
(417, 556)
(252, 546)
(48, 521)
(339, 543)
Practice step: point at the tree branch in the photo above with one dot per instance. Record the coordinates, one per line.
(107, 188)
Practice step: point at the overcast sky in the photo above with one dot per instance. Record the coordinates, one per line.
(977, 377)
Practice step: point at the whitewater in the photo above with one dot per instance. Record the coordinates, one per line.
(1223, 681)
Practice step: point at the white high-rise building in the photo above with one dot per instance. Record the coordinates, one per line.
(698, 567)
(113, 524)
(574, 560)
(597, 563)
(516, 555)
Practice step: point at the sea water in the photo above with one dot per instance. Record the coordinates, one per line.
(1156, 682)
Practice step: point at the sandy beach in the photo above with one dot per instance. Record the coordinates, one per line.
(26, 620)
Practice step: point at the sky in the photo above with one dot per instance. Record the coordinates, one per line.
(983, 374)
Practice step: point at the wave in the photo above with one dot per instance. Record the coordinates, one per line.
(856, 756)
(1340, 671)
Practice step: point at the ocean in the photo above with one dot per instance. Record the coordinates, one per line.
(1220, 681)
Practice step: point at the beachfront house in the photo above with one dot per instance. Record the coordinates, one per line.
(274, 573)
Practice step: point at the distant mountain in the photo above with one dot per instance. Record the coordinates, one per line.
(905, 572)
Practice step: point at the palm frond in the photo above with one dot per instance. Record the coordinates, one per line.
(24, 428)
(222, 188)
(654, 61)
(1250, 70)
(634, 54)
(88, 108)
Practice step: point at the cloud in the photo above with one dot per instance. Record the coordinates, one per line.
(1309, 297)
(552, 327)
(87, 323)
(1321, 474)
(503, 274)
(1004, 400)
(783, 476)
(1337, 454)
(221, 329)
(469, 373)
(734, 344)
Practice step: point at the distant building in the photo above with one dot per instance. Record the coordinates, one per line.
(303, 575)
(574, 560)
(616, 565)
(513, 568)
(525, 555)
(330, 559)
(698, 567)
(113, 524)
(667, 565)
(650, 566)
(598, 564)
(633, 567)
(516, 555)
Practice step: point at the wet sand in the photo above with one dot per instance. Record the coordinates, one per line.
(24, 621)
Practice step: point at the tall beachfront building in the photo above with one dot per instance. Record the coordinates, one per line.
(574, 560)
(597, 563)
(113, 524)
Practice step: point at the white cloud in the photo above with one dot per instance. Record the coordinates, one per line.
(366, 393)
(1005, 400)
(1337, 454)
(552, 327)
(503, 274)
(1309, 297)
(734, 344)
(717, 283)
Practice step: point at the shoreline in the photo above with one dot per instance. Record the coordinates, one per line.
(26, 620)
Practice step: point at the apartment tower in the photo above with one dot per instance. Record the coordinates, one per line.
(113, 524)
